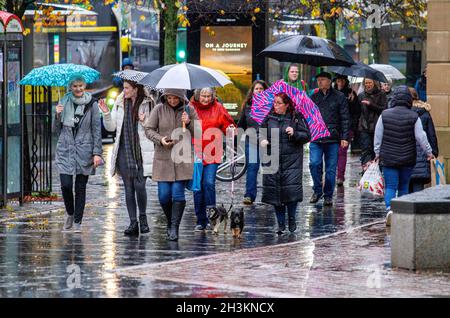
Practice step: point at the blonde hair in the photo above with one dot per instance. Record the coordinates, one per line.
(207, 90)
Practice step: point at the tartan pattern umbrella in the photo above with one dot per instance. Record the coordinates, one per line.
(135, 76)
(262, 104)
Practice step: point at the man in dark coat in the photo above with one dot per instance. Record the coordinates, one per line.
(334, 110)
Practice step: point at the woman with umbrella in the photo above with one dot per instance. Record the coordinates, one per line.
(132, 155)
(215, 118)
(373, 101)
(79, 146)
(283, 189)
(251, 149)
(292, 77)
(171, 168)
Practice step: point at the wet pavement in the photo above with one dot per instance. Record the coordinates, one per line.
(38, 260)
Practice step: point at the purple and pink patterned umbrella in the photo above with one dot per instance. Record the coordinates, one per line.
(262, 104)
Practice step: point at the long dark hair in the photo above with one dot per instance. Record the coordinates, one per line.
(248, 98)
(287, 100)
(139, 99)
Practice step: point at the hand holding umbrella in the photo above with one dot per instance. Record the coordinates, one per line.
(185, 119)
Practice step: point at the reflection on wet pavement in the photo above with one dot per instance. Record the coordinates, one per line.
(37, 259)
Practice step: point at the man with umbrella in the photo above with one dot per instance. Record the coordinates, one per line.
(334, 110)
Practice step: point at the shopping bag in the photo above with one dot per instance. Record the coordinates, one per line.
(372, 181)
(438, 171)
(195, 184)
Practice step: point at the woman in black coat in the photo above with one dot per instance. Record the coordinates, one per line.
(421, 174)
(282, 183)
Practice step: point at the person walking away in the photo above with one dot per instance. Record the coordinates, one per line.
(132, 155)
(421, 86)
(396, 133)
(421, 174)
(79, 147)
(213, 115)
(172, 175)
(284, 188)
(335, 113)
(342, 84)
(373, 101)
(251, 149)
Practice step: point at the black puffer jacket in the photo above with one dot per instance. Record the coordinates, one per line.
(398, 148)
(334, 110)
(370, 113)
(285, 185)
(422, 168)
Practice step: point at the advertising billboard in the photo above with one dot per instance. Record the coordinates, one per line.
(229, 49)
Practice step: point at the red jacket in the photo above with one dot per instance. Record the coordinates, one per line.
(213, 115)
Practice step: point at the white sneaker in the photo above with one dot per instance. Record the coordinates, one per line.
(68, 223)
(389, 218)
(77, 227)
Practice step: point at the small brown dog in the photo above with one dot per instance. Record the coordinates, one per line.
(237, 222)
(217, 216)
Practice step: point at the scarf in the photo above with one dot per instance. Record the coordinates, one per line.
(70, 111)
(131, 143)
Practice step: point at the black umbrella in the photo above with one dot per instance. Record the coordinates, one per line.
(360, 70)
(310, 50)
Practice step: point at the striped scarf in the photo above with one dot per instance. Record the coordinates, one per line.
(131, 143)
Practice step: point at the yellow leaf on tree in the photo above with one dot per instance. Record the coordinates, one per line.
(257, 10)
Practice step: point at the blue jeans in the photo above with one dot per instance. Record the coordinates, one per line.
(207, 195)
(171, 191)
(281, 211)
(253, 162)
(317, 153)
(396, 179)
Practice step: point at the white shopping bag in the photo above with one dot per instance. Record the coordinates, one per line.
(372, 181)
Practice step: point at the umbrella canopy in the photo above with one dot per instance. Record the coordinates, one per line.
(359, 70)
(58, 75)
(184, 76)
(310, 50)
(135, 76)
(389, 71)
(262, 104)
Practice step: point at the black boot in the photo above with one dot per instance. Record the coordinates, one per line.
(177, 214)
(167, 208)
(281, 228)
(143, 225)
(292, 224)
(133, 229)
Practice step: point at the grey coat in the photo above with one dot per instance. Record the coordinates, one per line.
(75, 155)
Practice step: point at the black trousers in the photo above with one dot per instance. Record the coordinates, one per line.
(75, 208)
(134, 190)
(366, 143)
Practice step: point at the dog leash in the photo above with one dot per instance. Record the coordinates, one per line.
(232, 167)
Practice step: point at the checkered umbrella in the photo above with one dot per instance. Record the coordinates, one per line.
(135, 76)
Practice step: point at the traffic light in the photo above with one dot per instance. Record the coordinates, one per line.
(181, 45)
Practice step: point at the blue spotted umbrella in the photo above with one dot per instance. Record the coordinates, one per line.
(58, 75)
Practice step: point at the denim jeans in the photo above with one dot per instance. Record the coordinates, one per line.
(280, 211)
(253, 162)
(171, 191)
(74, 208)
(207, 195)
(396, 179)
(317, 153)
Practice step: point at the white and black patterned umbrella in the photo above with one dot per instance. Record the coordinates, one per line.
(185, 76)
(135, 76)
